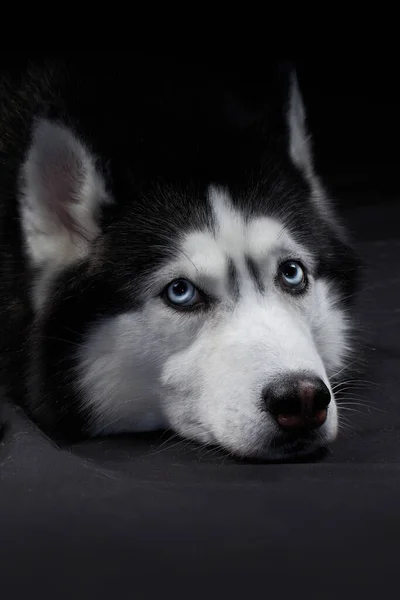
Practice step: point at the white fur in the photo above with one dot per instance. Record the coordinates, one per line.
(203, 373)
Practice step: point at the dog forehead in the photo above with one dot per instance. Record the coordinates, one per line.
(234, 235)
(241, 233)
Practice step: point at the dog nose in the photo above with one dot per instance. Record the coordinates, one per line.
(298, 403)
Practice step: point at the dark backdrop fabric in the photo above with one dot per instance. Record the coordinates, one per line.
(145, 517)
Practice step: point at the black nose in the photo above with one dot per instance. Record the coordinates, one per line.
(298, 402)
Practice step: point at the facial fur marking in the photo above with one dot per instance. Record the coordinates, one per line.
(233, 279)
(255, 274)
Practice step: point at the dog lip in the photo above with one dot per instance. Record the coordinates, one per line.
(290, 444)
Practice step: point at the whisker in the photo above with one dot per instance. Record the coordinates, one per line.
(214, 451)
(356, 383)
(164, 447)
(346, 428)
(354, 398)
(353, 411)
(344, 368)
(166, 444)
(367, 406)
(227, 455)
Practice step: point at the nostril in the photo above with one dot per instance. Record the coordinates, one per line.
(313, 394)
(302, 421)
(298, 402)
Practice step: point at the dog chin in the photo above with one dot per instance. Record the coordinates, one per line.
(282, 448)
(294, 451)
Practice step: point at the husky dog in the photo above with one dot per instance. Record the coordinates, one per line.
(170, 259)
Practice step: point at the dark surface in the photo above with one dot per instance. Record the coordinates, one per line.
(120, 517)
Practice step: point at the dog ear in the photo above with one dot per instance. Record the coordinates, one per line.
(300, 146)
(301, 151)
(61, 194)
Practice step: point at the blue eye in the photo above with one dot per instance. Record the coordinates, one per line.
(292, 275)
(182, 293)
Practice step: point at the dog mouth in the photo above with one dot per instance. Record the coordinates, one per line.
(282, 447)
(285, 448)
(280, 450)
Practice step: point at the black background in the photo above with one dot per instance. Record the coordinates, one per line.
(131, 517)
(352, 103)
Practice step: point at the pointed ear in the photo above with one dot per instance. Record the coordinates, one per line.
(300, 146)
(61, 194)
(300, 149)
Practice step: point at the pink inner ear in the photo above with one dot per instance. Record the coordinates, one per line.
(61, 184)
(61, 191)
(57, 171)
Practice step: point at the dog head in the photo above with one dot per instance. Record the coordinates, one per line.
(215, 308)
